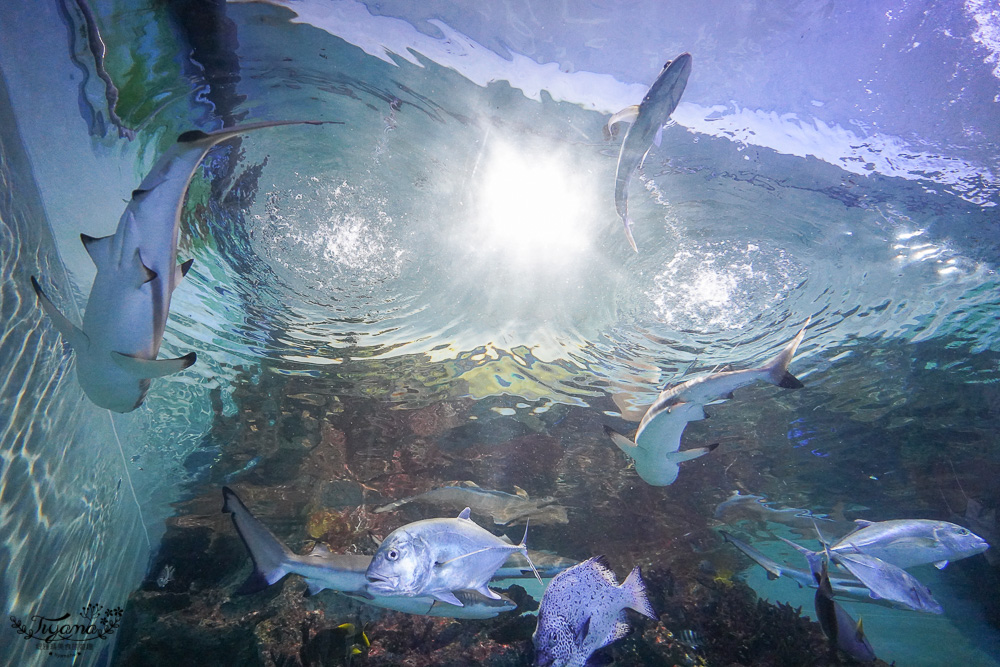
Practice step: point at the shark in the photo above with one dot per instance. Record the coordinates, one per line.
(647, 120)
(137, 272)
(656, 448)
(504, 508)
(345, 573)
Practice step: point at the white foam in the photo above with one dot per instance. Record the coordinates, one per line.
(986, 14)
(388, 38)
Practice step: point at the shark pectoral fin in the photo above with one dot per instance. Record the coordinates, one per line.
(447, 596)
(152, 368)
(141, 274)
(182, 270)
(688, 454)
(941, 564)
(100, 249)
(623, 443)
(485, 590)
(626, 115)
(72, 333)
(659, 137)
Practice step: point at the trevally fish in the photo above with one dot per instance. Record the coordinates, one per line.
(647, 119)
(908, 542)
(889, 582)
(342, 573)
(504, 508)
(137, 273)
(583, 609)
(436, 557)
(837, 624)
(658, 439)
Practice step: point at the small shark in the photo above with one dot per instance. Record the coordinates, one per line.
(344, 573)
(658, 439)
(137, 272)
(504, 508)
(647, 119)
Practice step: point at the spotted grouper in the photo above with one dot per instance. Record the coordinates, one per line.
(583, 609)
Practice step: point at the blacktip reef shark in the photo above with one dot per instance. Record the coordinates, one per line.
(656, 450)
(137, 272)
(504, 508)
(345, 573)
(647, 119)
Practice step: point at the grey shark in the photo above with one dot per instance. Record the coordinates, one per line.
(343, 573)
(504, 508)
(137, 272)
(656, 449)
(648, 119)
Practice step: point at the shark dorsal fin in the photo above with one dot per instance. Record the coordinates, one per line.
(99, 249)
(519, 492)
(466, 514)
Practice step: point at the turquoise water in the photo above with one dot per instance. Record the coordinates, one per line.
(445, 273)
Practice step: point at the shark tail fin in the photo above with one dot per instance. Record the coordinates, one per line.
(814, 558)
(270, 557)
(628, 233)
(72, 333)
(635, 590)
(523, 546)
(777, 369)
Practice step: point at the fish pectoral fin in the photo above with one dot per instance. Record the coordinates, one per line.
(100, 249)
(72, 333)
(623, 443)
(941, 564)
(582, 631)
(688, 454)
(448, 597)
(626, 115)
(152, 368)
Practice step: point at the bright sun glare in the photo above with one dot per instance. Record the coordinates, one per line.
(534, 206)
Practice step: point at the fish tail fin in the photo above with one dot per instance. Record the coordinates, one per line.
(623, 443)
(523, 547)
(635, 590)
(689, 454)
(814, 558)
(777, 369)
(270, 557)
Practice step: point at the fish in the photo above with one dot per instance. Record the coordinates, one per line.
(886, 581)
(849, 586)
(647, 120)
(166, 576)
(504, 508)
(757, 508)
(583, 609)
(907, 542)
(838, 626)
(137, 272)
(656, 449)
(341, 573)
(435, 557)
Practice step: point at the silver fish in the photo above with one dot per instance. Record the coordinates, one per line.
(137, 273)
(342, 573)
(837, 624)
(435, 557)
(504, 508)
(658, 439)
(889, 582)
(582, 610)
(648, 119)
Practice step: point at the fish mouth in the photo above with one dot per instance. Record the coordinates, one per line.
(380, 581)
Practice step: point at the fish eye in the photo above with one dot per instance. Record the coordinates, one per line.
(392, 554)
(963, 531)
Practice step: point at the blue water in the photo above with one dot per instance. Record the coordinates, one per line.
(454, 243)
